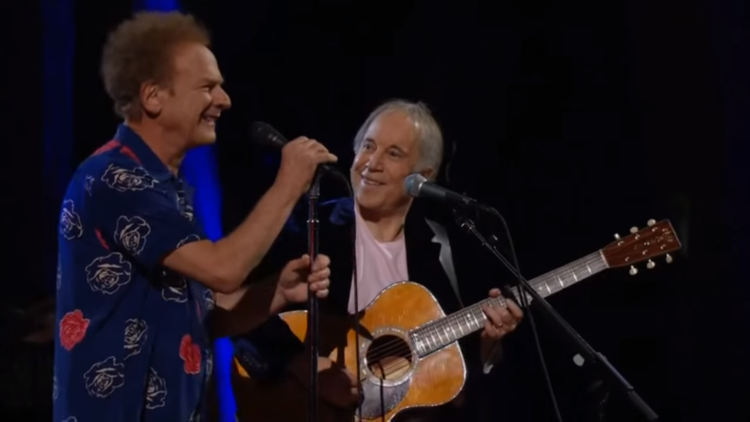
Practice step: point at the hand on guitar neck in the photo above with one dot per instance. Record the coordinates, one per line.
(337, 385)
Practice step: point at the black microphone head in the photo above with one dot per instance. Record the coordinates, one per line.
(413, 184)
(265, 134)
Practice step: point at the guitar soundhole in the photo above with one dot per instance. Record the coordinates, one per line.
(389, 357)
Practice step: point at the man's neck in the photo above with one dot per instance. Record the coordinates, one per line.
(169, 149)
(385, 227)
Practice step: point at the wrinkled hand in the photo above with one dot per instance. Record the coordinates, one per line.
(296, 275)
(500, 321)
(299, 161)
(337, 385)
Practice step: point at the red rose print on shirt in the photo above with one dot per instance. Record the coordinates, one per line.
(73, 328)
(191, 354)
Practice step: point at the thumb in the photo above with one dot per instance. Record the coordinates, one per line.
(299, 263)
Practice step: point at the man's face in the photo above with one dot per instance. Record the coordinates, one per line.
(388, 153)
(195, 99)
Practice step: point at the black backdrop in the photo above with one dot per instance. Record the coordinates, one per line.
(575, 119)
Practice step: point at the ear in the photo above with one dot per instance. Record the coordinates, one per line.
(427, 173)
(151, 98)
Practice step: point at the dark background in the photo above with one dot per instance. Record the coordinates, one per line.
(575, 119)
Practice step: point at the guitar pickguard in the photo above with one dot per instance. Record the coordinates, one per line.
(381, 399)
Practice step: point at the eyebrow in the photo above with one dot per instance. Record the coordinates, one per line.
(396, 147)
(212, 81)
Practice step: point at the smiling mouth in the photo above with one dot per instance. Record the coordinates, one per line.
(211, 120)
(370, 182)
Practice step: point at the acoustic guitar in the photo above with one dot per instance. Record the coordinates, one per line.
(409, 357)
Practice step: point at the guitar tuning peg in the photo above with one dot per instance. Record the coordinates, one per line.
(617, 236)
(668, 259)
(650, 264)
(651, 222)
(634, 230)
(633, 270)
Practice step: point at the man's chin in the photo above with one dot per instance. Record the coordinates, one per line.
(204, 140)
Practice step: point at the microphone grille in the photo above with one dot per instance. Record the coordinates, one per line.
(264, 134)
(413, 184)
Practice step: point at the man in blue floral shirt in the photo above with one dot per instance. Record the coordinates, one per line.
(136, 274)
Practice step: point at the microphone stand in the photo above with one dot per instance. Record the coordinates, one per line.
(312, 300)
(586, 351)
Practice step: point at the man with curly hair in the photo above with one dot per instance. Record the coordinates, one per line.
(136, 274)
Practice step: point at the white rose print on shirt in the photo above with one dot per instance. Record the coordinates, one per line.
(131, 233)
(156, 390)
(208, 299)
(58, 276)
(185, 241)
(104, 377)
(88, 184)
(176, 293)
(136, 333)
(70, 222)
(107, 274)
(123, 180)
(209, 363)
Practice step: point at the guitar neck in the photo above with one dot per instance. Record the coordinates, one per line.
(444, 331)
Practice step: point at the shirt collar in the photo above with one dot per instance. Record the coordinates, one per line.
(134, 146)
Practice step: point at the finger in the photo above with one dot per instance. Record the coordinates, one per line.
(514, 310)
(495, 293)
(506, 317)
(298, 140)
(493, 315)
(321, 262)
(492, 331)
(326, 157)
(322, 294)
(314, 145)
(300, 263)
(318, 284)
(319, 276)
(354, 382)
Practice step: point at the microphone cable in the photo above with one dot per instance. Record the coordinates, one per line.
(525, 305)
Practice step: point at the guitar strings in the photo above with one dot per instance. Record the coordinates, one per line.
(583, 263)
(401, 350)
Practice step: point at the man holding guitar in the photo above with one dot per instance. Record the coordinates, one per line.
(392, 242)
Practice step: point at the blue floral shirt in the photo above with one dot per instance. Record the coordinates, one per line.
(130, 339)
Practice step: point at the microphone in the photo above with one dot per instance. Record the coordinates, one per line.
(264, 134)
(419, 187)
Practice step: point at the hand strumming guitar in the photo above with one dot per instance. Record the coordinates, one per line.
(336, 385)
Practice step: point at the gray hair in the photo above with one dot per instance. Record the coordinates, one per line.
(429, 135)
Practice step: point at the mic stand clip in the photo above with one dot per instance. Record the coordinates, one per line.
(586, 351)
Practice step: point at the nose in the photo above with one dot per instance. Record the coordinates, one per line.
(375, 163)
(221, 99)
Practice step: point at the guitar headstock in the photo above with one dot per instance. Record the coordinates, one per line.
(655, 240)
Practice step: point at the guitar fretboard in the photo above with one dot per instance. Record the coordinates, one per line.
(437, 334)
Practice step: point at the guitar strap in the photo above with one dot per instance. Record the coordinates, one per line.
(446, 256)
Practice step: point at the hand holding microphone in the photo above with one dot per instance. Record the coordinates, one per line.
(300, 157)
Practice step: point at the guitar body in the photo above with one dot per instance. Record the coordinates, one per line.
(393, 375)
(394, 378)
